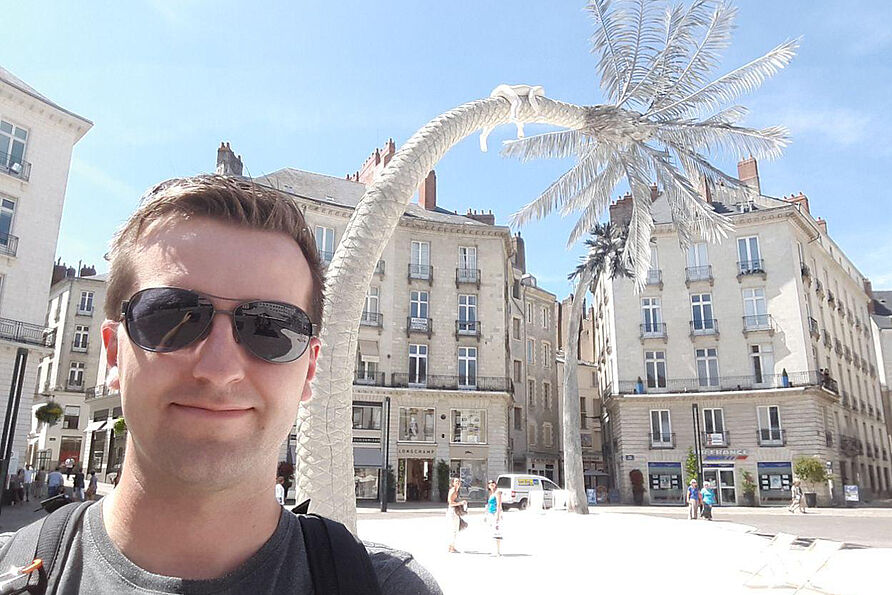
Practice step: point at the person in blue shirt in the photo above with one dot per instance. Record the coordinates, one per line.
(708, 500)
(694, 500)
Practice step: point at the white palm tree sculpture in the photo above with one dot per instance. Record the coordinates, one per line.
(650, 61)
(604, 256)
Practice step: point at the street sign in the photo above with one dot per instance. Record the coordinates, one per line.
(630, 457)
(851, 493)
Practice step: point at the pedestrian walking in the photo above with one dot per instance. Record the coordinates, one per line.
(694, 500)
(92, 486)
(54, 483)
(494, 516)
(39, 482)
(15, 483)
(29, 482)
(454, 512)
(20, 486)
(280, 490)
(79, 484)
(797, 499)
(709, 500)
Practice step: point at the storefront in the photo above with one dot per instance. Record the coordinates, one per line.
(775, 482)
(665, 480)
(468, 462)
(368, 461)
(721, 476)
(415, 472)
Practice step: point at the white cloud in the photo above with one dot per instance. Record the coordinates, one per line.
(839, 124)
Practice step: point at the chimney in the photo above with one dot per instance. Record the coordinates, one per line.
(621, 210)
(59, 271)
(427, 192)
(801, 202)
(822, 225)
(376, 162)
(88, 271)
(487, 218)
(705, 189)
(228, 164)
(748, 173)
(868, 289)
(520, 253)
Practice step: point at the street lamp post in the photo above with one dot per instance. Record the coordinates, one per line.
(386, 446)
(698, 447)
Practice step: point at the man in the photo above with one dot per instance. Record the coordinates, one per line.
(54, 482)
(29, 482)
(695, 499)
(280, 490)
(212, 287)
(39, 481)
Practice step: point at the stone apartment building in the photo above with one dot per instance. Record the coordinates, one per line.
(74, 315)
(37, 137)
(881, 331)
(756, 349)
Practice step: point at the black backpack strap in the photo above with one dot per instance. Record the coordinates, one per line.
(339, 563)
(54, 542)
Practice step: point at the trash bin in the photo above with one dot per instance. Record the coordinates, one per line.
(811, 499)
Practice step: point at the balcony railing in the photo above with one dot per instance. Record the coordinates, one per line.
(837, 345)
(23, 332)
(828, 340)
(695, 274)
(662, 440)
(9, 244)
(850, 446)
(806, 272)
(366, 378)
(467, 328)
(847, 353)
(379, 268)
(84, 311)
(710, 439)
(706, 326)
(78, 348)
(17, 168)
(372, 319)
(440, 382)
(467, 276)
(74, 386)
(419, 325)
(751, 267)
(758, 322)
(831, 299)
(97, 392)
(819, 288)
(730, 383)
(654, 277)
(771, 436)
(325, 256)
(424, 272)
(653, 330)
(813, 327)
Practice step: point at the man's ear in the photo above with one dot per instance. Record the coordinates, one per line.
(110, 340)
(313, 355)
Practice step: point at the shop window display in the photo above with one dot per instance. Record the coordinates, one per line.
(473, 479)
(416, 425)
(365, 480)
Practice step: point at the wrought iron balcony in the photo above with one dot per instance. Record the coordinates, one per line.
(831, 299)
(712, 439)
(366, 378)
(771, 437)
(379, 268)
(84, 311)
(837, 345)
(9, 244)
(750, 267)
(78, 348)
(653, 330)
(828, 340)
(325, 256)
(758, 322)
(423, 272)
(97, 392)
(467, 328)
(654, 277)
(23, 332)
(705, 326)
(372, 319)
(727, 383)
(698, 274)
(813, 327)
(440, 382)
(74, 386)
(847, 353)
(419, 325)
(661, 440)
(15, 167)
(806, 272)
(471, 276)
(819, 288)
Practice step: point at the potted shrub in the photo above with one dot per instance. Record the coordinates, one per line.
(50, 413)
(120, 426)
(391, 485)
(442, 480)
(812, 471)
(637, 479)
(748, 487)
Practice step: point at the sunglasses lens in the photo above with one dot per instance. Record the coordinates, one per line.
(273, 331)
(166, 319)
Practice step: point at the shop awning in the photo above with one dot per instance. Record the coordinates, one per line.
(593, 473)
(95, 426)
(368, 350)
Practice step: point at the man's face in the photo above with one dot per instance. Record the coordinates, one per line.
(211, 412)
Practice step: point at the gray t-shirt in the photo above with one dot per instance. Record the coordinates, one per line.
(95, 565)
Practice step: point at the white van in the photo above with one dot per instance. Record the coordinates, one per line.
(516, 489)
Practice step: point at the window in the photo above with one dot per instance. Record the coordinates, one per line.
(546, 355)
(547, 435)
(531, 393)
(366, 417)
(697, 255)
(325, 243)
(418, 304)
(545, 317)
(531, 351)
(469, 426)
(372, 297)
(467, 314)
(583, 418)
(546, 395)
(416, 424)
(707, 366)
(769, 424)
(81, 337)
(518, 371)
(467, 258)
(366, 371)
(748, 254)
(714, 427)
(651, 316)
(72, 417)
(530, 313)
(467, 366)
(100, 415)
(702, 321)
(7, 210)
(421, 254)
(518, 418)
(515, 328)
(661, 428)
(76, 375)
(762, 358)
(755, 309)
(531, 434)
(12, 147)
(85, 306)
(418, 365)
(655, 368)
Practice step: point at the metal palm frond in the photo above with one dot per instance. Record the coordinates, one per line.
(665, 116)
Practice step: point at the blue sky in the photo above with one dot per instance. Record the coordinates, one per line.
(318, 85)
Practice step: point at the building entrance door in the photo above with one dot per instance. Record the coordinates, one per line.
(723, 480)
(415, 480)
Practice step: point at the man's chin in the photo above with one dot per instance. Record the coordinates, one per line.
(210, 463)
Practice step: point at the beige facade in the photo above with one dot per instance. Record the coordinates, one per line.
(767, 334)
(881, 331)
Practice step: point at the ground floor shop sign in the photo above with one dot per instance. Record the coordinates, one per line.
(407, 451)
(775, 482)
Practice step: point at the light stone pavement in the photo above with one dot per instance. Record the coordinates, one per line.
(609, 552)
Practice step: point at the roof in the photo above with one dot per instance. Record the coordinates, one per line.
(722, 203)
(882, 309)
(346, 193)
(14, 81)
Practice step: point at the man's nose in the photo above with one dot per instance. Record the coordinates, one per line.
(220, 359)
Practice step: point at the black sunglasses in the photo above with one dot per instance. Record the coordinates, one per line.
(164, 319)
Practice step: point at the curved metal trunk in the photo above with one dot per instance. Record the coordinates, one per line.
(324, 434)
(573, 472)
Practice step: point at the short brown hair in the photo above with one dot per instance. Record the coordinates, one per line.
(238, 201)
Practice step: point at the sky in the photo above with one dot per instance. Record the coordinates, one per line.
(318, 85)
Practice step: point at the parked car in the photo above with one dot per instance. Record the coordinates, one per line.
(516, 488)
